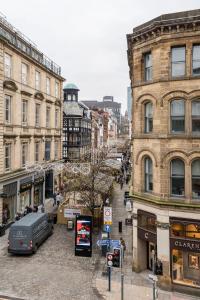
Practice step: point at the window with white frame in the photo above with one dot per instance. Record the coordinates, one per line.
(47, 150)
(148, 117)
(37, 80)
(177, 177)
(177, 116)
(48, 115)
(37, 151)
(56, 149)
(24, 154)
(196, 116)
(7, 109)
(48, 85)
(147, 66)
(7, 65)
(56, 89)
(178, 61)
(196, 178)
(24, 112)
(56, 118)
(148, 167)
(24, 73)
(7, 157)
(37, 115)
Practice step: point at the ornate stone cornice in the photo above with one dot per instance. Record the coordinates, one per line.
(10, 85)
(26, 93)
(39, 96)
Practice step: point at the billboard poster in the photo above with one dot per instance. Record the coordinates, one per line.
(83, 236)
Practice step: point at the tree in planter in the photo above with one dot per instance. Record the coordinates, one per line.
(92, 187)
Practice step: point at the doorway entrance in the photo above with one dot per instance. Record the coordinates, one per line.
(151, 254)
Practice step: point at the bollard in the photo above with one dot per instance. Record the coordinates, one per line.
(122, 286)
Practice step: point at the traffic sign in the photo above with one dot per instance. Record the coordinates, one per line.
(107, 215)
(109, 258)
(112, 243)
(107, 228)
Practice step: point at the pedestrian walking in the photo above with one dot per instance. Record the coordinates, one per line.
(122, 183)
(54, 198)
(58, 199)
(123, 244)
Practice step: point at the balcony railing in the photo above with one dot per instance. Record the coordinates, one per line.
(24, 44)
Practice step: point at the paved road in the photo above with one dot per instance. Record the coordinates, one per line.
(53, 273)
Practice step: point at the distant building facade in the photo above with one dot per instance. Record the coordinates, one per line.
(30, 123)
(100, 121)
(163, 57)
(76, 126)
(108, 104)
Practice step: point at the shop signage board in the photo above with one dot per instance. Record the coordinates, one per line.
(71, 213)
(185, 245)
(107, 215)
(129, 222)
(83, 236)
(147, 235)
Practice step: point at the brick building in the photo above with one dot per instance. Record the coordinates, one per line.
(164, 62)
(30, 122)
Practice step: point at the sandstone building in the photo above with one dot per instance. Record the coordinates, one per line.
(164, 62)
(30, 122)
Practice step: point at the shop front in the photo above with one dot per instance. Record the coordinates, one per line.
(185, 251)
(9, 202)
(38, 190)
(148, 237)
(25, 193)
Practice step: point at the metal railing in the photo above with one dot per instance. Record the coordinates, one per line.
(24, 44)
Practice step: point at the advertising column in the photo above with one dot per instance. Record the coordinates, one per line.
(83, 236)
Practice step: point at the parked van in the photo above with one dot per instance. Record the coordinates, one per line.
(27, 234)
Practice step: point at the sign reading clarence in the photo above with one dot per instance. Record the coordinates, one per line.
(147, 235)
(185, 245)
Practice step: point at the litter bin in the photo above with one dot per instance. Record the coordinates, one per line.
(2, 230)
(120, 226)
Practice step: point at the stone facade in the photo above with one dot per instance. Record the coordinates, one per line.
(161, 145)
(19, 62)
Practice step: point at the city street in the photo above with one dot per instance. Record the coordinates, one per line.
(55, 273)
(52, 273)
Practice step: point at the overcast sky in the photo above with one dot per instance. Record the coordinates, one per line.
(87, 38)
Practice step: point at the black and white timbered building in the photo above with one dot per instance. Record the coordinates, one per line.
(76, 126)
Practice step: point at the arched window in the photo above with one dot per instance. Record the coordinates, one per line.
(148, 168)
(148, 117)
(196, 178)
(177, 177)
(177, 116)
(196, 116)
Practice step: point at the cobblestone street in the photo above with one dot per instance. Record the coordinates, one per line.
(52, 273)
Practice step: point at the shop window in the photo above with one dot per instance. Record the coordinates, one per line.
(193, 231)
(178, 61)
(177, 116)
(177, 178)
(193, 261)
(147, 66)
(196, 116)
(148, 117)
(177, 230)
(148, 167)
(196, 60)
(196, 178)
